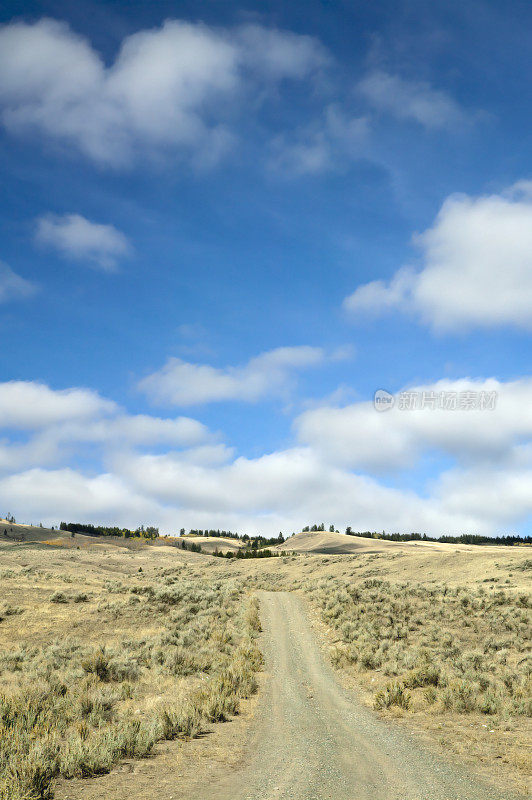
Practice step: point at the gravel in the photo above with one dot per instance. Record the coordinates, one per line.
(311, 740)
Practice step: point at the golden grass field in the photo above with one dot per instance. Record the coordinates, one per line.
(109, 647)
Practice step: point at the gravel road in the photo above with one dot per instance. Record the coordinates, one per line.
(311, 740)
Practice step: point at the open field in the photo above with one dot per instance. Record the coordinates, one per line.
(106, 650)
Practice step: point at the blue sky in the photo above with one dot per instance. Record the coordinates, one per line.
(222, 229)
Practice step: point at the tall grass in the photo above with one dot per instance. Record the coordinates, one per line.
(67, 708)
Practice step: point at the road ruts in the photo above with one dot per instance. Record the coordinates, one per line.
(311, 740)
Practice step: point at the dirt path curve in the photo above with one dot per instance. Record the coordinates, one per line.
(311, 740)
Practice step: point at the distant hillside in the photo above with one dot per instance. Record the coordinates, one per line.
(209, 544)
(337, 543)
(15, 532)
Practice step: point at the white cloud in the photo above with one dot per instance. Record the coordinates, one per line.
(321, 146)
(58, 422)
(174, 472)
(267, 484)
(46, 495)
(30, 405)
(520, 190)
(169, 87)
(359, 437)
(78, 238)
(279, 491)
(37, 451)
(477, 266)
(145, 429)
(415, 100)
(12, 286)
(183, 383)
(56, 426)
(279, 54)
(379, 296)
(132, 430)
(497, 498)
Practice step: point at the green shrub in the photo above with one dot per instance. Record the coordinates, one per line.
(464, 698)
(180, 661)
(182, 721)
(59, 597)
(393, 695)
(490, 703)
(7, 610)
(97, 664)
(422, 676)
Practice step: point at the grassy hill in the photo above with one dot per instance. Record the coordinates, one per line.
(16, 532)
(329, 543)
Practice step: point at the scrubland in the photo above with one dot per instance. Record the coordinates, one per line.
(105, 651)
(438, 639)
(455, 660)
(95, 669)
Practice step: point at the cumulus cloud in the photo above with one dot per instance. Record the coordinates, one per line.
(411, 100)
(39, 450)
(325, 144)
(175, 472)
(477, 266)
(76, 237)
(145, 429)
(495, 497)
(132, 430)
(168, 87)
(183, 383)
(359, 437)
(57, 423)
(13, 286)
(44, 494)
(29, 405)
(278, 491)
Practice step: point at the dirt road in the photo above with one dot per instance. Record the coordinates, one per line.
(312, 741)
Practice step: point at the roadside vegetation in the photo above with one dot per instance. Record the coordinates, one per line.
(119, 667)
(456, 654)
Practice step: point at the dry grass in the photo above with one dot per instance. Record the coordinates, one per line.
(106, 649)
(470, 648)
(107, 672)
(458, 655)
